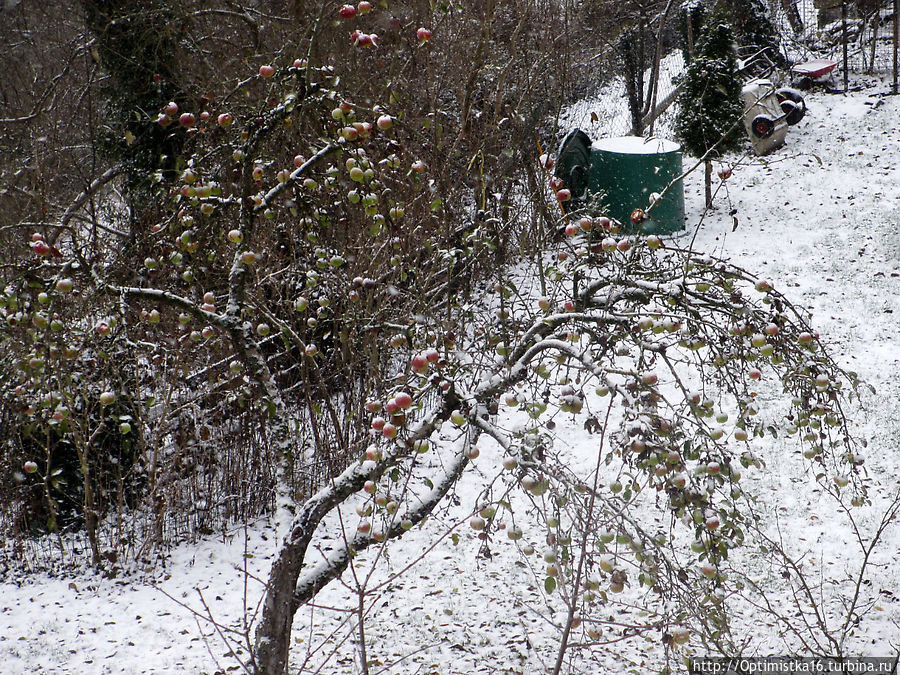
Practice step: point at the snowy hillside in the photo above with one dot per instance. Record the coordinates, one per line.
(820, 219)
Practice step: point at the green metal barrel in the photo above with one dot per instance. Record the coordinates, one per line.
(629, 170)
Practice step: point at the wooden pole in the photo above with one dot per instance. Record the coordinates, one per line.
(689, 20)
(844, 39)
(896, 40)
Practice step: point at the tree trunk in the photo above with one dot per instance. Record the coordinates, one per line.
(707, 182)
(793, 15)
(874, 23)
(273, 634)
(633, 88)
(89, 503)
(90, 509)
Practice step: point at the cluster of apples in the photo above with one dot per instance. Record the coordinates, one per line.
(604, 231)
(199, 192)
(41, 248)
(587, 224)
(386, 504)
(391, 416)
(354, 130)
(395, 408)
(349, 12)
(563, 194)
(170, 114)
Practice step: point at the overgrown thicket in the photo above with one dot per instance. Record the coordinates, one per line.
(172, 212)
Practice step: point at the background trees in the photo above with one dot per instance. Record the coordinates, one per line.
(753, 28)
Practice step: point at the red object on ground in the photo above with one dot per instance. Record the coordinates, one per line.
(815, 68)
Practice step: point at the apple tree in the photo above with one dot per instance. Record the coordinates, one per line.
(239, 245)
(675, 361)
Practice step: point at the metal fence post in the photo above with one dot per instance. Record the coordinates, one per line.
(896, 40)
(844, 39)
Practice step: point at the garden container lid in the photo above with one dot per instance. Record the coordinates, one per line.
(635, 145)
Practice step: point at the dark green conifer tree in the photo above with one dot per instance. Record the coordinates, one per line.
(136, 44)
(754, 29)
(710, 107)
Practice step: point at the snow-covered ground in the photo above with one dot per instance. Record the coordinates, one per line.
(820, 218)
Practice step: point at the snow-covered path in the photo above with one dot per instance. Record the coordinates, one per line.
(821, 219)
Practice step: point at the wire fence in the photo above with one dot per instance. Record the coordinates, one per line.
(606, 114)
(809, 29)
(865, 26)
